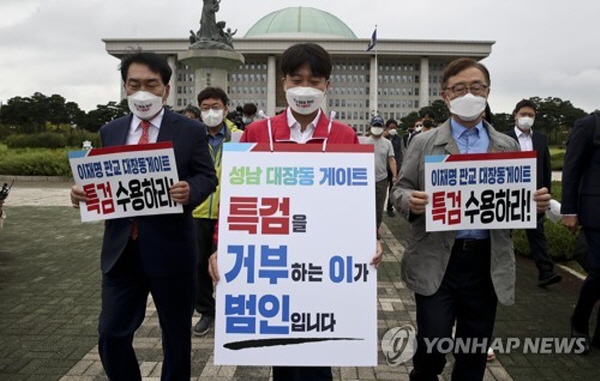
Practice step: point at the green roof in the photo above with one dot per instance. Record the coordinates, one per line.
(300, 22)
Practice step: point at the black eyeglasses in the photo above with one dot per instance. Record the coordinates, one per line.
(475, 89)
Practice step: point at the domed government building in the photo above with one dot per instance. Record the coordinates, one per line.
(395, 78)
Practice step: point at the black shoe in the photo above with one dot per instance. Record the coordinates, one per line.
(577, 332)
(549, 279)
(203, 326)
(390, 213)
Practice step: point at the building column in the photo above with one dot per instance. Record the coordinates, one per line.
(271, 86)
(172, 61)
(373, 87)
(424, 83)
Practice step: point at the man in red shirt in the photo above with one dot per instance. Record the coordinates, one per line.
(306, 69)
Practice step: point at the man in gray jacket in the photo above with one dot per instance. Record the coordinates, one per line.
(457, 276)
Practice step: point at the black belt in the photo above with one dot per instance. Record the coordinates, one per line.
(466, 244)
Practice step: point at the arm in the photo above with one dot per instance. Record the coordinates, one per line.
(201, 180)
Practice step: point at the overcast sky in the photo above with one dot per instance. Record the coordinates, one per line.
(543, 47)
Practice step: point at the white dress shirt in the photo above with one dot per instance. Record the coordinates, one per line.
(525, 140)
(135, 130)
(295, 129)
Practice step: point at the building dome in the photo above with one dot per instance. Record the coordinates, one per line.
(300, 22)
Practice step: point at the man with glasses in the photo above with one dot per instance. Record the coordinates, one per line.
(457, 276)
(213, 103)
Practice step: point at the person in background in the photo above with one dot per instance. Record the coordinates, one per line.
(524, 116)
(249, 113)
(581, 207)
(213, 103)
(191, 112)
(2, 214)
(428, 120)
(391, 133)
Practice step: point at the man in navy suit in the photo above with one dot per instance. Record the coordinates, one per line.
(581, 206)
(152, 254)
(524, 115)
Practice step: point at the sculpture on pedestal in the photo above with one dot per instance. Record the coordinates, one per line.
(212, 34)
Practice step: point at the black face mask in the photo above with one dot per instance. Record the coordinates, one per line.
(427, 123)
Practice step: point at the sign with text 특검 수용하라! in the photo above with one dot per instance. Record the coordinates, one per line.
(296, 237)
(481, 191)
(126, 181)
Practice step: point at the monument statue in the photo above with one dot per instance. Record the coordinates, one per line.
(212, 34)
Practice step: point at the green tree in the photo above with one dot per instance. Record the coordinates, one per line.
(440, 110)
(104, 114)
(555, 117)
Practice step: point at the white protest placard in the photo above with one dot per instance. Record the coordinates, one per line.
(126, 181)
(481, 191)
(296, 237)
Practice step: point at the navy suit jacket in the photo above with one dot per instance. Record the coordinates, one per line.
(167, 242)
(544, 165)
(581, 174)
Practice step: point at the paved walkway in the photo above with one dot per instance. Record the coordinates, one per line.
(49, 303)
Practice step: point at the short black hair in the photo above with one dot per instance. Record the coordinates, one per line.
(312, 54)
(155, 63)
(249, 109)
(213, 93)
(524, 103)
(391, 121)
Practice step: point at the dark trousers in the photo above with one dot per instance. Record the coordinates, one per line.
(306, 373)
(467, 297)
(380, 192)
(590, 290)
(205, 301)
(124, 296)
(390, 180)
(539, 249)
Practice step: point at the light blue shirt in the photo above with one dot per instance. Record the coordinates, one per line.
(216, 140)
(473, 140)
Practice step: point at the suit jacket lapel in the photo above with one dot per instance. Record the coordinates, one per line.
(168, 127)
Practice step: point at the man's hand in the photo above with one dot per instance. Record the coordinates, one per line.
(542, 199)
(77, 196)
(213, 269)
(378, 255)
(180, 192)
(570, 222)
(417, 202)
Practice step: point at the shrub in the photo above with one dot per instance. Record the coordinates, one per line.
(561, 243)
(35, 162)
(43, 140)
(557, 160)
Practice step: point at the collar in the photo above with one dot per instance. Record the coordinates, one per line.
(221, 131)
(520, 133)
(293, 123)
(156, 121)
(458, 129)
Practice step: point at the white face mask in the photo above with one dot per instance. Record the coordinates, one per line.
(304, 100)
(212, 118)
(144, 105)
(376, 131)
(393, 132)
(468, 107)
(525, 122)
(418, 128)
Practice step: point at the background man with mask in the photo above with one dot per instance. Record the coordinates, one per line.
(391, 133)
(152, 254)
(306, 70)
(457, 276)
(524, 115)
(428, 121)
(384, 157)
(213, 103)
